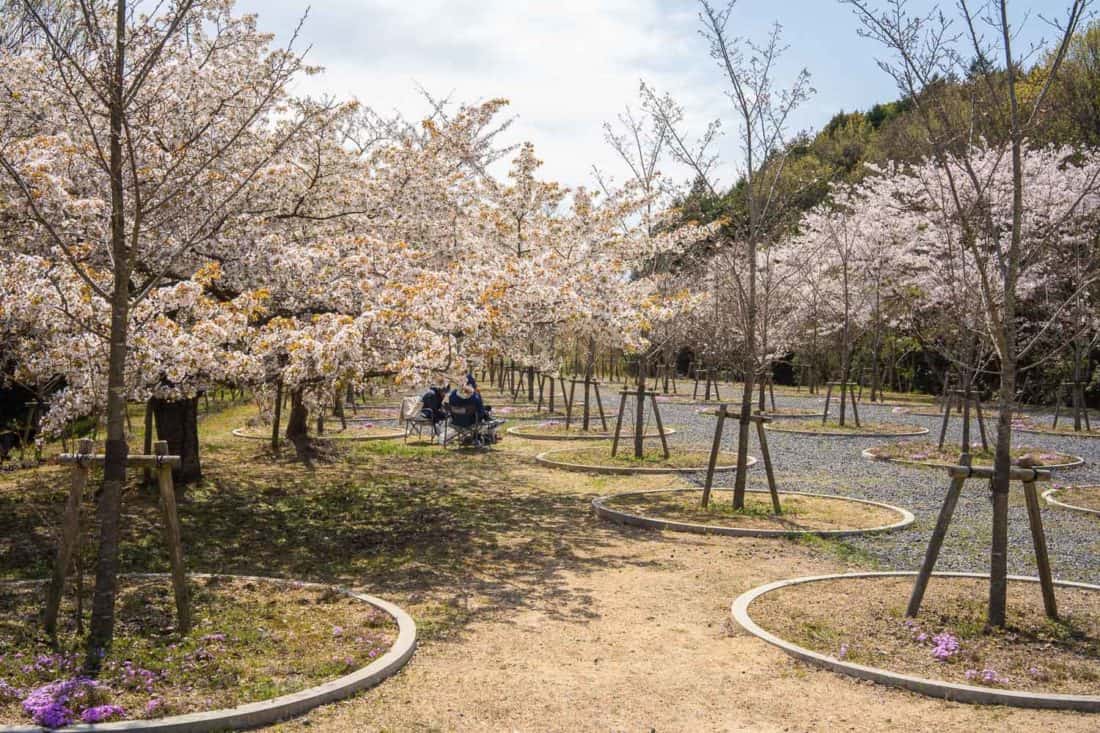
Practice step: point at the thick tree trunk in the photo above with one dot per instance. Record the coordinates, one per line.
(297, 428)
(178, 423)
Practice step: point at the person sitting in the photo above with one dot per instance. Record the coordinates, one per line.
(471, 408)
(432, 402)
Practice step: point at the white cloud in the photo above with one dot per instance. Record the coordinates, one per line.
(566, 65)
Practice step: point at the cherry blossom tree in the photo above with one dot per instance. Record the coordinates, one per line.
(986, 184)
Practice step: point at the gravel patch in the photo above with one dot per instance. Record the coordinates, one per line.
(833, 465)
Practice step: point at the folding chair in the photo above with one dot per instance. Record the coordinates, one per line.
(462, 427)
(412, 414)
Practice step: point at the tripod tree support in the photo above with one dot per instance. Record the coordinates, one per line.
(845, 388)
(962, 400)
(959, 474)
(639, 423)
(724, 414)
(82, 462)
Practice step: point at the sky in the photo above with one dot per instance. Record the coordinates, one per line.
(567, 66)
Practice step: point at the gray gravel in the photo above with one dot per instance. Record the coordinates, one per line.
(834, 465)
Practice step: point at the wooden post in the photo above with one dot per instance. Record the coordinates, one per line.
(768, 468)
(1038, 537)
(569, 403)
(713, 460)
(639, 422)
(172, 537)
(660, 425)
(619, 424)
(855, 409)
(946, 415)
(70, 529)
(933, 552)
(599, 404)
(981, 423)
(828, 399)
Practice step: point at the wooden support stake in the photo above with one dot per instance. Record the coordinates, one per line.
(981, 423)
(946, 415)
(713, 460)
(828, 399)
(172, 537)
(618, 425)
(569, 403)
(768, 468)
(1042, 560)
(855, 408)
(933, 552)
(599, 404)
(70, 529)
(660, 425)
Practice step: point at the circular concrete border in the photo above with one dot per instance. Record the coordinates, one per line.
(599, 506)
(265, 712)
(869, 455)
(349, 439)
(710, 412)
(395, 417)
(818, 433)
(627, 470)
(1049, 496)
(1093, 434)
(933, 688)
(590, 436)
(989, 414)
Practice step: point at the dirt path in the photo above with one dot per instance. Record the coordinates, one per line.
(630, 632)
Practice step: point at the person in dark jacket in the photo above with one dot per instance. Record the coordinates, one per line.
(432, 402)
(466, 396)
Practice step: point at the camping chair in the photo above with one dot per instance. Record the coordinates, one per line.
(412, 414)
(468, 429)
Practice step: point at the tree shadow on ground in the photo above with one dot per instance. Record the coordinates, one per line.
(442, 532)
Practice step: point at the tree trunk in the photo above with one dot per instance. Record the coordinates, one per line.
(639, 411)
(297, 428)
(109, 509)
(276, 416)
(178, 423)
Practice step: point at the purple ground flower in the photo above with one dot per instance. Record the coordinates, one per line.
(51, 705)
(100, 713)
(946, 646)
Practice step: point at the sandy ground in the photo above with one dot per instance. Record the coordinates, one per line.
(630, 631)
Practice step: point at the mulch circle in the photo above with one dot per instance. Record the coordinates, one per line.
(337, 435)
(264, 712)
(1051, 496)
(931, 687)
(869, 453)
(621, 470)
(1094, 433)
(853, 434)
(519, 432)
(602, 510)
